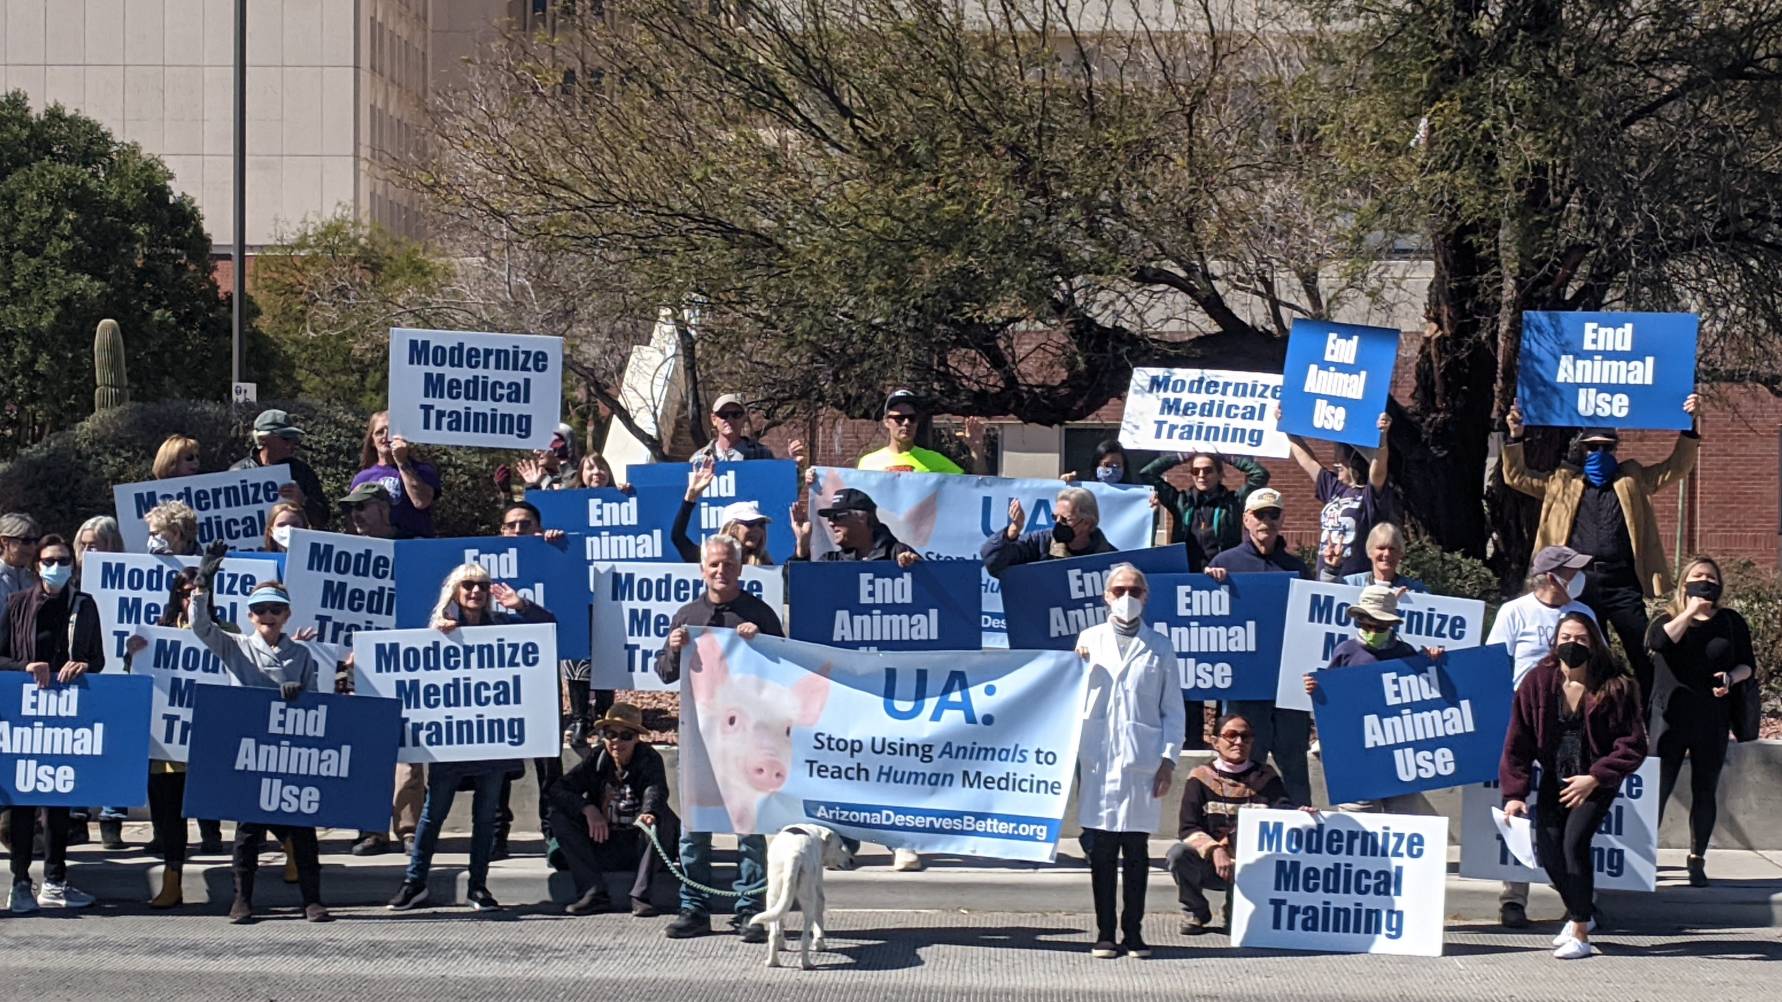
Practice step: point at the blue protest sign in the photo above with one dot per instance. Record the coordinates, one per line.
(317, 761)
(771, 483)
(1616, 370)
(1411, 725)
(1227, 636)
(1336, 380)
(1049, 602)
(613, 524)
(932, 605)
(74, 745)
(551, 575)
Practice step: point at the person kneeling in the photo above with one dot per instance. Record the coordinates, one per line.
(600, 808)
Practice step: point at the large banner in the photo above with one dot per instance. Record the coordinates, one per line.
(1405, 726)
(1227, 636)
(230, 506)
(613, 524)
(1048, 602)
(74, 745)
(550, 575)
(1618, 370)
(1624, 851)
(1338, 378)
(130, 590)
(498, 391)
(317, 761)
(770, 483)
(633, 604)
(1340, 883)
(476, 693)
(1210, 410)
(948, 517)
(1318, 620)
(954, 752)
(340, 584)
(932, 605)
(176, 663)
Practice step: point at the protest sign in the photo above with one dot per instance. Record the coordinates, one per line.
(317, 761)
(131, 589)
(340, 584)
(1342, 883)
(1048, 602)
(497, 391)
(613, 524)
(1318, 619)
(1227, 637)
(948, 517)
(932, 605)
(1337, 380)
(632, 606)
(476, 693)
(73, 744)
(957, 752)
(550, 575)
(771, 483)
(1215, 410)
(175, 662)
(1624, 851)
(230, 506)
(1615, 370)
(1406, 726)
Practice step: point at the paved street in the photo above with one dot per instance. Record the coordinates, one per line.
(451, 953)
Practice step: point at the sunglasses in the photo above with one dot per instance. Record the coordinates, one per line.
(1202, 471)
(1270, 514)
(56, 561)
(731, 415)
(621, 736)
(265, 609)
(473, 586)
(1237, 736)
(900, 418)
(1599, 447)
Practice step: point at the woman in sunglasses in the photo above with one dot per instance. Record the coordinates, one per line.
(600, 808)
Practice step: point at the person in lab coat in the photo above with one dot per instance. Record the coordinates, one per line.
(1132, 734)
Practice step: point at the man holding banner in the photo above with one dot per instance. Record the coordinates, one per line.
(854, 524)
(1075, 532)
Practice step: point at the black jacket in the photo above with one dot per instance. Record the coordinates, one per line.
(582, 786)
(1000, 552)
(315, 502)
(18, 629)
(745, 608)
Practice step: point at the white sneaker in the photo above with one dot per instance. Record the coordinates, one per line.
(63, 895)
(906, 861)
(24, 898)
(1565, 933)
(1574, 949)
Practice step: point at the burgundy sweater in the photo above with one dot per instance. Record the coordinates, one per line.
(1614, 733)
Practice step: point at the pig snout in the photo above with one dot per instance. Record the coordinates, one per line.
(765, 772)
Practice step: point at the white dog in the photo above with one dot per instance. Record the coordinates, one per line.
(795, 862)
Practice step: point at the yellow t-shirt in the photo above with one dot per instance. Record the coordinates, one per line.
(917, 460)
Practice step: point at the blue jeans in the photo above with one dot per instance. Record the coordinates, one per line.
(696, 860)
(442, 788)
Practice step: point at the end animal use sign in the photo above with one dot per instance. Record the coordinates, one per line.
(498, 391)
(1617, 370)
(73, 745)
(1337, 380)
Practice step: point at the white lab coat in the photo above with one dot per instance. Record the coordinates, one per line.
(1133, 720)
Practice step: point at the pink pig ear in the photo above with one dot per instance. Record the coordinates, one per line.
(809, 694)
(708, 669)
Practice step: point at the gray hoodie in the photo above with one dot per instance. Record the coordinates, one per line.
(249, 659)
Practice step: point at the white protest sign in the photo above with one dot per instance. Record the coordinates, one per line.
(1624, 851)
(498, 391)
(130, 590)
(340, 584)
(176, 661)
(474, 694)
(633, 603)
(230, 506)
(1216, 410)
(1341, 883)
(1318, 620)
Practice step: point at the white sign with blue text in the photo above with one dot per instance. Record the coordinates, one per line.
(633, 603)
(1624, 851)
(1211, 410)
(476, 693)
(131, 590)
(231, 506)
(177, 663)
(340, 584)
(1318, 620)
(1616, 370)
(1338, 378)
(497, 391)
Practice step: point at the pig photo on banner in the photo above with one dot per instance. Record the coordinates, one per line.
(1607, 370)
(632, 606)
(948, 517)
(340, 584)
(131, 590)
(1340, 883)
(476, 693)
(1337, 380)
(949, 752)
(613, 524)
(497, 391)
(1624, 851)
(932, 605)
(1407, 726)
(75, 744)
(1213, 410)
(771, 483)
(1049, 602)
(1227, 637)
(1317, 620)
(230, 506)
(550, 575)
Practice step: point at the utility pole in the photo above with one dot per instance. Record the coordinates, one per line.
(240, 165)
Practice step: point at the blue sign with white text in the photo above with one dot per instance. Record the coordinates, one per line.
(1614, 370)
(931, 605)
(613, 524)
(74, 745)
(317, 761)
(771, 483)
(1227, 637)
(1411, 725)
(1336, 381)
(551, 575)
(1049, 602)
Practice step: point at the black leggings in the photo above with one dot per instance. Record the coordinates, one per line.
(1706, 751)
(55, 842)
(1562, 838)
(1623, 608)
(249, 837)
(1122, 856)
(166, 797)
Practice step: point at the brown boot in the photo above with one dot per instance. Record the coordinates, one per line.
(172, 894)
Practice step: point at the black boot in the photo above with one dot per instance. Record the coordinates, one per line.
(111, 835)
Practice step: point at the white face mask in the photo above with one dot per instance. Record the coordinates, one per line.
(281, 534)
(1126, 608)
(1575, 586)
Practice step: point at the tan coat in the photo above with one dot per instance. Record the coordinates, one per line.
(1561, 491)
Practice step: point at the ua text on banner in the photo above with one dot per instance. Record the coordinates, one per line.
(1227, 637)
(1318, 620)
(1215, 410)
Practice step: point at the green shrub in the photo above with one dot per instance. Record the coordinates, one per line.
(1756, 592)
(1451, 573)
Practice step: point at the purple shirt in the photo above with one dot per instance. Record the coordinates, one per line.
(403, 513)
(1349, 515)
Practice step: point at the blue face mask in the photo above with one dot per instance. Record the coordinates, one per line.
(1599, 468)
(1109, 474)
(57, 575)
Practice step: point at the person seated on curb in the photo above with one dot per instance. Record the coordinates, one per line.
(1075, 532)
(600, 808)
(1207, 823)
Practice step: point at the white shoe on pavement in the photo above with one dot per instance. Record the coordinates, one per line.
(61, 894)
(1565, 933)
(906, 861)
(1574, 949)
(24, 898)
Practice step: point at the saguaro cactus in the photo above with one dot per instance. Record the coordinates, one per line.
(111, 383)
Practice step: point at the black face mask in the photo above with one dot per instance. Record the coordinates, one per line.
(1063, 533)
(1709, 590)
(1573, 654)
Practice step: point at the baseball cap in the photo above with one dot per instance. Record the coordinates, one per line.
(18, 525)
(264, 595)
(367, 491)
(1377, 602)
(1266, 497)
(1599, 435)
(727, 400)
(848, 499)
(742, 511)
(900, 397)
(1552, 558)
(276, 422)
